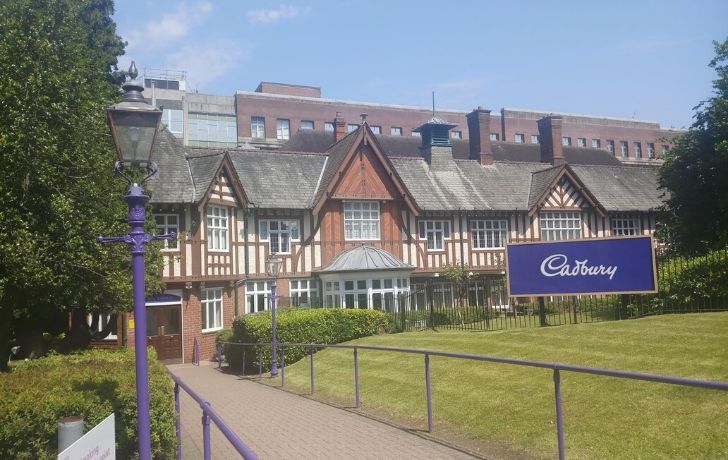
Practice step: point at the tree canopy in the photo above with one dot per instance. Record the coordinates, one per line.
(695, 173)
(58, 64)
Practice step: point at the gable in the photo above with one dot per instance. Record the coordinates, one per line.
(560, 188)
(564, 195)
(364, 177)
(224, 188)
(221, 191)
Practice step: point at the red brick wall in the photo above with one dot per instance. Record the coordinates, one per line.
(192, 320)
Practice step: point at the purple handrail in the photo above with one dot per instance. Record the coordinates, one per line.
(556, 367)
(208, 413)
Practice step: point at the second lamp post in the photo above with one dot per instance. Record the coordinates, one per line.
(274, 268)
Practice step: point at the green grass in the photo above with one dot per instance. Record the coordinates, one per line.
(513, 407)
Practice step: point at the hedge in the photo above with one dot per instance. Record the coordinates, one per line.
(694, 281)
(92, 384)
(328, 326)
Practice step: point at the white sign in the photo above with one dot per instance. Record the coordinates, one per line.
(98, 444)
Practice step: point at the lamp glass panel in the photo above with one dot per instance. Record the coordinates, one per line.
(135, 134)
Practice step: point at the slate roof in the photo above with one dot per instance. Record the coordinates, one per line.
(623, 188)
(539, 181)
(337, 152)
(172, 183)
(203, 165)
(365, 258)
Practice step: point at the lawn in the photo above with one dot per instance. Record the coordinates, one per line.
(500, 408)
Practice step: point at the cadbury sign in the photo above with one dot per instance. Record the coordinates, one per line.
(598, 266)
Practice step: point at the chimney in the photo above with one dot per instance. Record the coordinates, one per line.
(436, 147)
(339, 127)
(549, 131)
(481, 148)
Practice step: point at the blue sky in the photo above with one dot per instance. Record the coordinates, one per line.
(631, 59)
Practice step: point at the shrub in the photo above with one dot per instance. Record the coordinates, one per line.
(91, 384)
(696, 281)
(301, 326)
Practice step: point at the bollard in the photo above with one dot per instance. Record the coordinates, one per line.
(260, 363)
(357, 390)
(244, 361)
(178, 428)
(312, 382)
(283, 366)
(70, 430)
(219, 355)
(429, 393)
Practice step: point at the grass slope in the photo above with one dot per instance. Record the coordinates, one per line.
(514, 406)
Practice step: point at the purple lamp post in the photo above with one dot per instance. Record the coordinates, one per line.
(274, 268)
(133, 125)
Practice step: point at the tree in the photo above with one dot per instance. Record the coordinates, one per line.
(695, 173)
(58, 192)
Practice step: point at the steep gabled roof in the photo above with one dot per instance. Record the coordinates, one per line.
(203, 166)
(540, 182)
(622, 188)
(173, 182)
(543, 182)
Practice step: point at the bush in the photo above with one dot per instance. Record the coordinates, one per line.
(92, 385)
(696, 281)
(301, 326)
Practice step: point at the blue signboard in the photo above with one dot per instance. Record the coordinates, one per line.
(598, 266)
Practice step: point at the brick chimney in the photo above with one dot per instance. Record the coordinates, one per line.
(549, 131)
(481, 148)
(339, 127)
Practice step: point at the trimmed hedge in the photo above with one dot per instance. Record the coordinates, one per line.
(696, 280)
(92, 384)
(329, 326)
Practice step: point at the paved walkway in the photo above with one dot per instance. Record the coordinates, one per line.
(280, 425)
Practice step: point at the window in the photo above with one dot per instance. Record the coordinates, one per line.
(217, 228)
(361, 220)
(414, 133)
(306, 124)
(566, 141)
(279, 233)
(519, 138)
(351, 127)
(208, 130)
(211, 309)
(283, 129)
(625, 225)
(624, 148)
(596, 144)
(435, 232)
(332, 296)
(356, 294)
(581, 142)
(167, 223)
(650, 150)
(665, 149)
(376, 129)
(304, 292)
(638, 150)
(256, 296)
(328, 126)
(395, 131)
(456, 134)
(489, 234)
(610, 146)
(534, 139)
(494, 136)
(104, 320)
(560, 226)
(257, 127)
(174, 122)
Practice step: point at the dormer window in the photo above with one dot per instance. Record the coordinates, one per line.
(361, 220)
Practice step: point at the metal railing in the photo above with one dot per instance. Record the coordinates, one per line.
(208, 413)
(555, 367)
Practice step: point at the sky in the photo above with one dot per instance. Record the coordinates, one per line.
(646, 60)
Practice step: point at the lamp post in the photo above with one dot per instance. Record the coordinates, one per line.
(274, 268)
(133, 125)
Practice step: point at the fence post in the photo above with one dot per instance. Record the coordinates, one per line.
(283, 366)
(542, 312)
(312, 380)
(356, 378)
(219, 355)
(429, 393)
(245, 361)
(428, 294)
(178, 430)
(207, 451)
(559, 415)
(260, 363)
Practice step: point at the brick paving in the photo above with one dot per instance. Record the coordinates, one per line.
(280, 425)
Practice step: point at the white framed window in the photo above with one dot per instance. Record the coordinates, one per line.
(211, 309)
(624, 148)
(167, 223)
(209, 130)
(519, 138)
(104, 320)
(395, 131)
(637, 149)
(328, 126)
(351, 127)
(534, 139)
(283, 129)
(610, 146)
(489, 234)
(435, 232)
(415, 134)
(596, 143)
(257, 127)
(566, 141)
(650, 150)
(625, 225)
(356, 294)
(257, 294)
(376, 129)
(304, 292)
(494, 136)
(217, 228)
(279, 234)
(561, 225)
(173, 119)
(332, 296)
(361, 220)
(581, 142)
(307, 124)
(456, 134)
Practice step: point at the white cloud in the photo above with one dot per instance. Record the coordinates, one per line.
(170, 28)
(205, 62)
(271, 16)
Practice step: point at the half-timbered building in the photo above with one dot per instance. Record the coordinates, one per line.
(360, 218)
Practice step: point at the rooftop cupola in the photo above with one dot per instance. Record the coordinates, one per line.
(435, 135)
